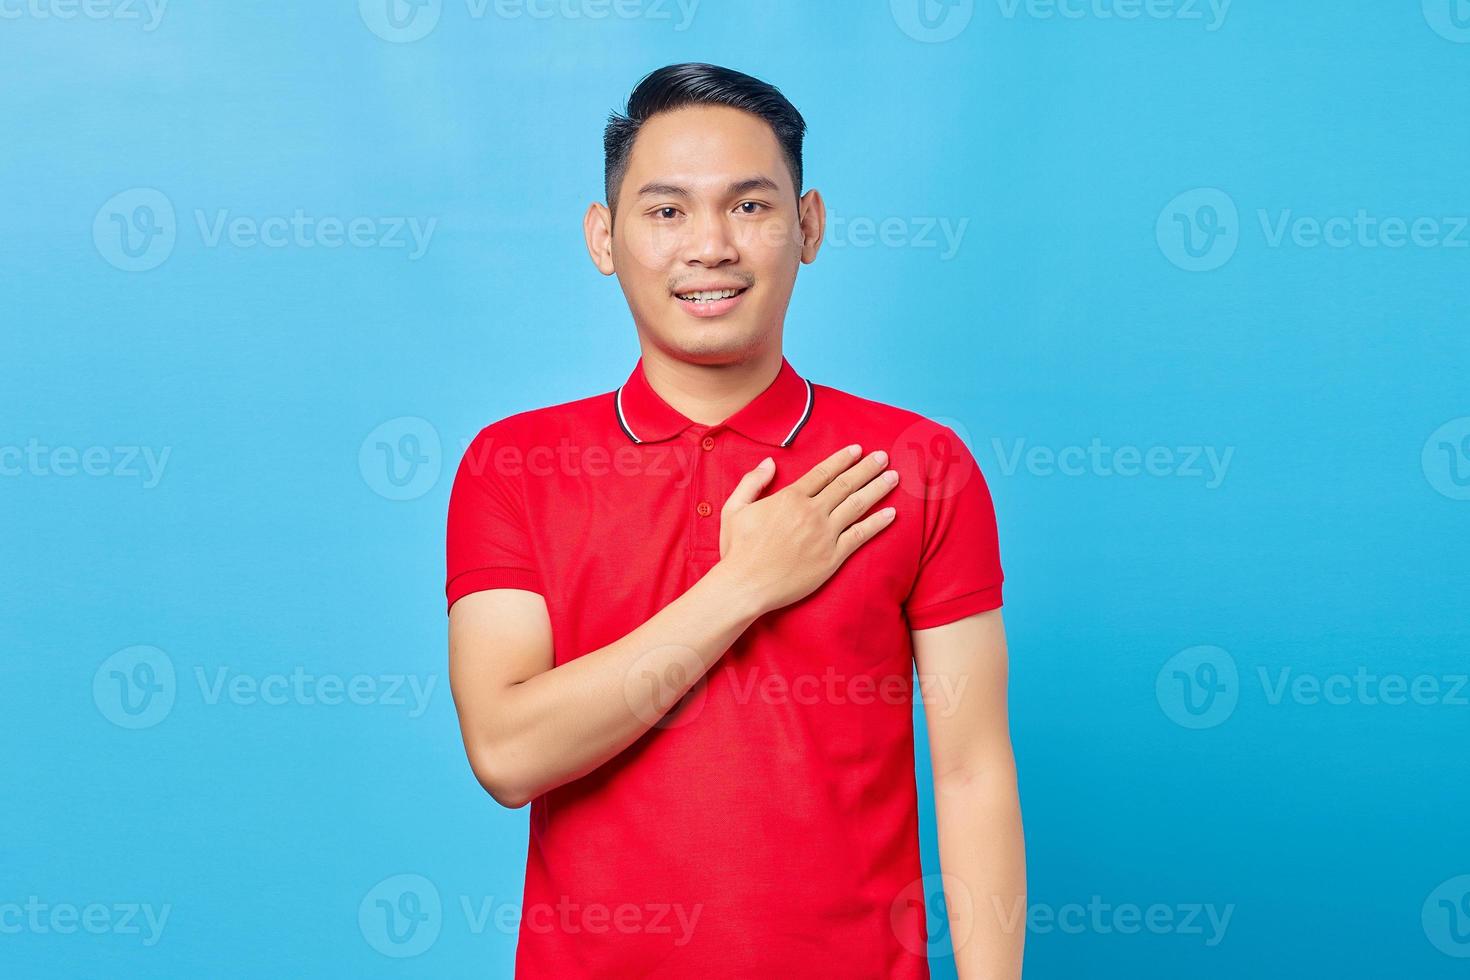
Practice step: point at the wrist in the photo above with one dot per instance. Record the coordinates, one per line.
(737, 590)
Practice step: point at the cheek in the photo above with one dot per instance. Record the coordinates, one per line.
(774, 262)
(644, 285)
(768, 242)
(647, 251)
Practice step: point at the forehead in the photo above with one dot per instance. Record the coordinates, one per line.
(704, 147)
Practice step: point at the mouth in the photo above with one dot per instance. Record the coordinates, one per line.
(711, 302)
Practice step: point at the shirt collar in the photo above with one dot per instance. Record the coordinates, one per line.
(774, 416)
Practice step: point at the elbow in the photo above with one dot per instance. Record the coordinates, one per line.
(507, 797)
(509, 793)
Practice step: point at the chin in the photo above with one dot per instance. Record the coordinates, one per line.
(714, 344)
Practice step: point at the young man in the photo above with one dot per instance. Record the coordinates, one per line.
(684, 614)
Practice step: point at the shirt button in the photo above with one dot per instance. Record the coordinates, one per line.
(707, 443)
(704, 509)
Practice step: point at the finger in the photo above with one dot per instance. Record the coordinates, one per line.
(849, 482)
(862, 532)
(750, 486)
(857, 504)
(814, 479)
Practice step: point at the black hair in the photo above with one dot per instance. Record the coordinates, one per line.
(692, 83)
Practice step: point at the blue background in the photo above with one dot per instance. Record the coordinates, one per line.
(1077, 151)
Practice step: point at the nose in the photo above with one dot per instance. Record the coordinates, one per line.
(710, 243)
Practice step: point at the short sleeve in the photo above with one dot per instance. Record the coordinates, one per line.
(959, 566)
(487, 542)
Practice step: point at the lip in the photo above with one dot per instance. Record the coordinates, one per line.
(718, 307)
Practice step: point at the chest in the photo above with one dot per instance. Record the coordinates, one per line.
(620, 535)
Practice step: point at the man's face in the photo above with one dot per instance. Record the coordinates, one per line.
(708, 233)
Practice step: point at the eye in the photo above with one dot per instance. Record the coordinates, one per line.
(666, 213)
(750, 207)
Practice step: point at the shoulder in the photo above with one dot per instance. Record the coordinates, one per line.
(871, 418)
(580, 417)
(932, 455)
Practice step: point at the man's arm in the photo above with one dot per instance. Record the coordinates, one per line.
(982, 851)
(529, 727)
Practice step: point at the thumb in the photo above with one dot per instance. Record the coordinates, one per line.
(750, 486)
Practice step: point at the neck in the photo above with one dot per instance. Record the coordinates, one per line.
(709, 393)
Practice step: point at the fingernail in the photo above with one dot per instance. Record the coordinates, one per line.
(890, 477)
(854, 449)
(880, 457)
(764, 463)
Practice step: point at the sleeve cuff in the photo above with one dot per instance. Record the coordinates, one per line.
(481, 579)
(949, 610)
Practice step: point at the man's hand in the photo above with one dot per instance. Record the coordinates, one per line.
(782, 547)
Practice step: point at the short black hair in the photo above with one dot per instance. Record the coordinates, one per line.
(693, 83)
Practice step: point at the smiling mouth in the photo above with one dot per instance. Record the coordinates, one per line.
(705, 304)
(707, 296)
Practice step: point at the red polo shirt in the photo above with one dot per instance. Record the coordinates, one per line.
(768, 825)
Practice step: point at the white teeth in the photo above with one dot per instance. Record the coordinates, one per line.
(704, 296)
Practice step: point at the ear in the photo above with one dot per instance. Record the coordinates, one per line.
(813, 218)
(597, 227)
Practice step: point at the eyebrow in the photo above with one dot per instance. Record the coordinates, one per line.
(758, 183)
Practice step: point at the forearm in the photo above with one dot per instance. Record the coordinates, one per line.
(564, 722)
(982, 846)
